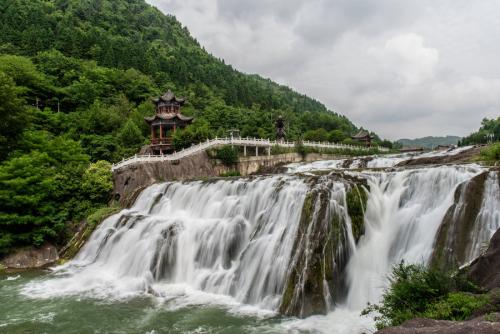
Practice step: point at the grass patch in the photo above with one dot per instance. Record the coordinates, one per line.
(491, 153)
(100, 214)
(231, 173)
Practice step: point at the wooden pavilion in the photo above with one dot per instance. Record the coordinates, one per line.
(364, 137)
(166, 121)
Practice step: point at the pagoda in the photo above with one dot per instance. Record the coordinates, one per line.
(166, 121)
(364, 137)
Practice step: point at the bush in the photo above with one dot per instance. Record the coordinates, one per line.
(416, 291)
(491, 153)
(456, 306)
(228, 155)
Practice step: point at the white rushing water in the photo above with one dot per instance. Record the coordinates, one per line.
(231, 242)
(376, 161)
(230, 238)
(403, 214)
(488, 220)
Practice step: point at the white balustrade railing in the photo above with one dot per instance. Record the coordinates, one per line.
(253, 142)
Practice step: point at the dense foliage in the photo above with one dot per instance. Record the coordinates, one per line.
(488, 132)
(417, 291)
(76, 80)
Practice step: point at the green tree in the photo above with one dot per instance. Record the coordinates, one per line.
(316, 135)
(40, 190)
(13, 117)
(130, 135)
(336, 136)
(97, 181)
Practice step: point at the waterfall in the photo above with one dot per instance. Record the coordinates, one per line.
(227, 237)
(254, 240)
(487, 221)
(403, 214)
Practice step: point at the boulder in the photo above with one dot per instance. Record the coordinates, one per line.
(485, 270)
(31, 257)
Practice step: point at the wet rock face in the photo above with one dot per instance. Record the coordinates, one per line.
(31, 258)
(129, 181)
(485, 270)
(316, 279)
(453, 238)
(428, 326)
(461, 157)
(356, 199)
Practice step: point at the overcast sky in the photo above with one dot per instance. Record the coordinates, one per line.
(403, 68)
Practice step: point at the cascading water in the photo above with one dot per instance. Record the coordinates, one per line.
(403, 214)
(487, 221)
(229, 237)
(281, 243)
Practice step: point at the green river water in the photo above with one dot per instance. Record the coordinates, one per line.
(77, 314)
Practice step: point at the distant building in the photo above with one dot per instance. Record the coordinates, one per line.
(364, 137)
(165, 122)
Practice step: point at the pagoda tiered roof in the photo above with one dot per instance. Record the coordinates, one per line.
(362, 134)
(169, 116)
(169, 97)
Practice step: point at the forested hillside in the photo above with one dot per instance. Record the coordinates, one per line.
(76, 80)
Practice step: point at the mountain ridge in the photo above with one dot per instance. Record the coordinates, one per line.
(430, 141)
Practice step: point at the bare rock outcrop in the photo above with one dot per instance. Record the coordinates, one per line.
(485, 270)
(453, 237)
(131, 179)
(31, 257)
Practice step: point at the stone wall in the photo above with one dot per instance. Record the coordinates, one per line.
(130, 180)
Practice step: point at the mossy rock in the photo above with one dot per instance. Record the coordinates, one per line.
(316, 279)
(356, 198)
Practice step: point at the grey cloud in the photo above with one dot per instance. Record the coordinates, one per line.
(256, 10)
(401, 68)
